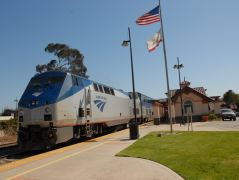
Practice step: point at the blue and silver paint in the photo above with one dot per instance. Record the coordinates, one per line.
(49, 88)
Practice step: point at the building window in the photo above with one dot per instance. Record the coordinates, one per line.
(188, 106)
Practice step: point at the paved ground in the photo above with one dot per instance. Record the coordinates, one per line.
(210, 126)
(95, 159)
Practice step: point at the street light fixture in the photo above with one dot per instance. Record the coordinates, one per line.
(133, 126)
(179, 66)
(125, 43)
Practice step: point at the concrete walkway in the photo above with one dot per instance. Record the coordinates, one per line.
(96, 160)
(91, 160)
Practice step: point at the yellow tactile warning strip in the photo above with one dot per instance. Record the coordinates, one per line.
(21, 162)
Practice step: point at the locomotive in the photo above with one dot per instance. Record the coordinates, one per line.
(57, 107)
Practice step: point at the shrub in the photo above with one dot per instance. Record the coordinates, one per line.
(9, 127)
(204, 118)
(212, 116)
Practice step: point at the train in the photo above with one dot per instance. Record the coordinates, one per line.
(57, 107)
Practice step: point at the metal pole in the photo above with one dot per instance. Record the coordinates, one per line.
(166, 70)
(16, 113)
(179, 76)
(134, 125)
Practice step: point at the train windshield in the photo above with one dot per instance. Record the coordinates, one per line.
(38, 81)
(41, 82)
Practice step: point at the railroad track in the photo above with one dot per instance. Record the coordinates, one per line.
(5, 148)
(8, 145)
(12, 153)
(7, 151)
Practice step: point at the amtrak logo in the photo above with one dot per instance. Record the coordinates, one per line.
(100, 104)
(36, 94)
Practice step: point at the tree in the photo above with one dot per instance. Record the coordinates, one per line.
(68, 60)
(8, 112)
(231, 97)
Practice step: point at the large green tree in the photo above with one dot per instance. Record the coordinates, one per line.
(230, 97)
(68, 60)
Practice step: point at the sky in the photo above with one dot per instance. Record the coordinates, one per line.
(203, 34)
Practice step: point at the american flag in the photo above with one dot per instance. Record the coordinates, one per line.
(149, 17)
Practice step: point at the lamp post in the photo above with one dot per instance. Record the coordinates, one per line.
(179, 66)
(16, 113)
(133, 126)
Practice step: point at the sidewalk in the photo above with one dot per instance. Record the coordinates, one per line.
(92, 160)
(95, 159)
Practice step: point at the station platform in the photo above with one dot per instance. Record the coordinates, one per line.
(90, 160)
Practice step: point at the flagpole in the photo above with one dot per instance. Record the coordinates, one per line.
(166, 70)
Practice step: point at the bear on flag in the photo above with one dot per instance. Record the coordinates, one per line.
(154, 42)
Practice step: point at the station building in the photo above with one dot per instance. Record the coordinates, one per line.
(195, 103)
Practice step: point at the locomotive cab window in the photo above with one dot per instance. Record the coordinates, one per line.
(54, 80)
(39, 83)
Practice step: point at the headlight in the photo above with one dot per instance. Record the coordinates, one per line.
(47, 110)
(21, 113)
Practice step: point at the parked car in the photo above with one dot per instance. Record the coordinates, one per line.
(237, 114)
(228, 114)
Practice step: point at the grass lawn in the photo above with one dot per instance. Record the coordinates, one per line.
(193, 155)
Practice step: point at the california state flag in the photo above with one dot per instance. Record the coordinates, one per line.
(154, 42)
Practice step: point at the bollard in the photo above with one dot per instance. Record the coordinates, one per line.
(133, 131)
